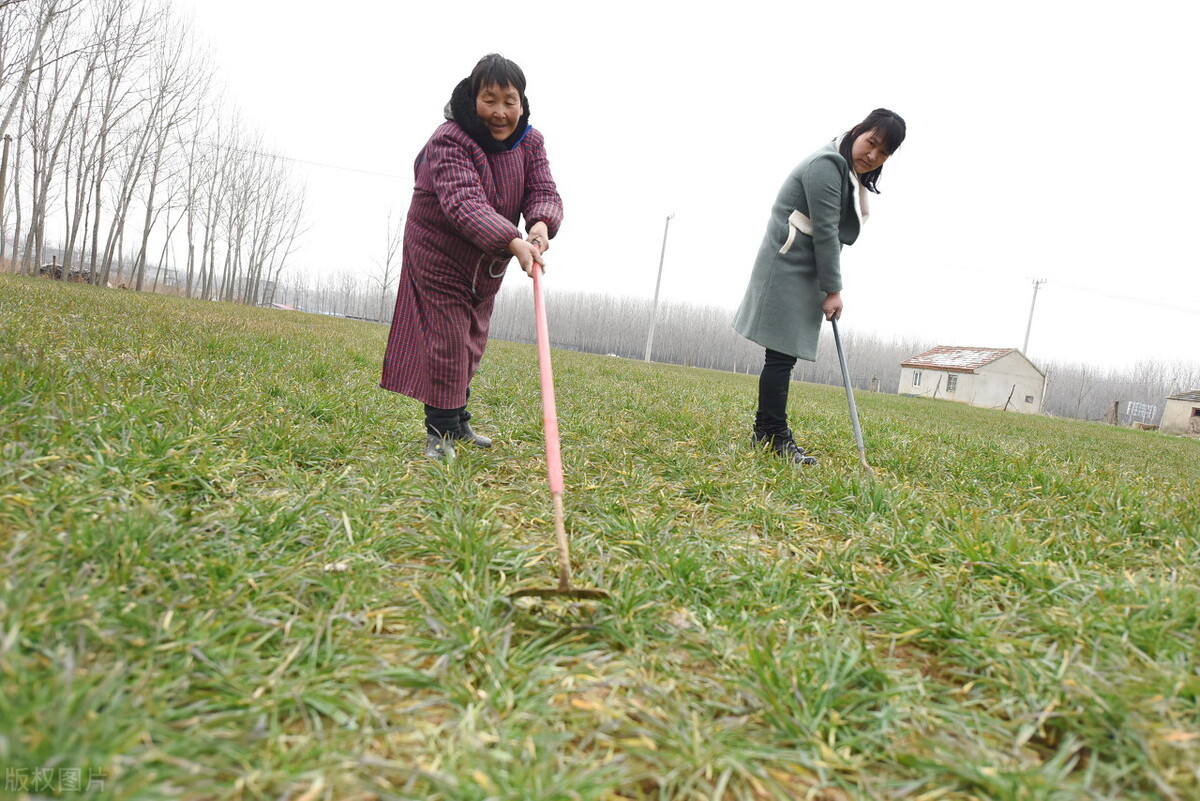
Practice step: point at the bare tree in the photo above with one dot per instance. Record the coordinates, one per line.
(240, 201)
(61, 69)
(116, 100)
(23, 25)
(285, 246)
(24, 28)
(177, 77)
(215, 185)
(389, 269)
(199, 160)
(16, 183)
(164, 256)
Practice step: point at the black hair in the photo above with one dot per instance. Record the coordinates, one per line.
(890, 126)
(496, 69)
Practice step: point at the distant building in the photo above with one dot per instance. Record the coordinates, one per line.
(1182, 414)
(992, 378)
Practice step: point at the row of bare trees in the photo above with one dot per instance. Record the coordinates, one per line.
(1088, 392)
(346, 293)
(701, 336)
(687, 334)
(123, 166)
(364, 295)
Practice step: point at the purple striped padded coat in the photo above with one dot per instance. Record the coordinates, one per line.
(463, 215)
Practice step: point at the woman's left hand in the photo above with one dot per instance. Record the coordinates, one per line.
(539, 236)
(832, 307)
(527, 255)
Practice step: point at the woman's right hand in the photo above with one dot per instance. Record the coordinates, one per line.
(527, 255)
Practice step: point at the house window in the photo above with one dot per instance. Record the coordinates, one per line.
(916, 378)
(1029, 399)
(1196, 411)
(951, 383)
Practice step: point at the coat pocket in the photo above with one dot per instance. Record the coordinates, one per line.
(796, 222)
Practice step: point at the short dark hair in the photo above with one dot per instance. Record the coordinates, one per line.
(890, 126)
(496, 69)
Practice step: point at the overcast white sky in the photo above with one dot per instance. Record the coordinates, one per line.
(1046, 139)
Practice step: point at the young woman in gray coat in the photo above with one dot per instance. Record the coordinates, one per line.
(797, 280)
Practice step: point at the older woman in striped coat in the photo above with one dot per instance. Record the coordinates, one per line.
(481, 169)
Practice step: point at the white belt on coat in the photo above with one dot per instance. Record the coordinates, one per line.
(796, 222)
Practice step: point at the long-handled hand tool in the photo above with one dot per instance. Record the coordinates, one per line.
(553, 460)
(858, 438)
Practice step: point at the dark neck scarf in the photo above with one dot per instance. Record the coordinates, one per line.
(461, 109)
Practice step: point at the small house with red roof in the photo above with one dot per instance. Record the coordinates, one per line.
(992, 378)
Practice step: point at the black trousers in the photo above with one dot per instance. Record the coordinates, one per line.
(445, 422)
(773, 386)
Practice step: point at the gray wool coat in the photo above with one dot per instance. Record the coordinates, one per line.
(799, 260)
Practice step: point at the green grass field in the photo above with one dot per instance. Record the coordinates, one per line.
(227, 572)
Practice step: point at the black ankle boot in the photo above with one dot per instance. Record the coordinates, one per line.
(783, 445)
(439, 448)
(465, 434)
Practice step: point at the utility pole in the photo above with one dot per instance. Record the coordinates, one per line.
(657, 284)
(1037, 282)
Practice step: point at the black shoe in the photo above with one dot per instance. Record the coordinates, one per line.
(465, 434)
(784, 445)
(438, 448)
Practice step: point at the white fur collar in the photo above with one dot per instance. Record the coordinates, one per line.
(862, 206)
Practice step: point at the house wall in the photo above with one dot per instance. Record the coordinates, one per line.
(929, 382)
(988, 388)
(1179, 418)
(935, 384)
(996, 380)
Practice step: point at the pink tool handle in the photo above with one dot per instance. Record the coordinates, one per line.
(549, 410)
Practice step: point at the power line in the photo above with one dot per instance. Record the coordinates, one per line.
(1005, 272)
(279, 157)
(1130, 298)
